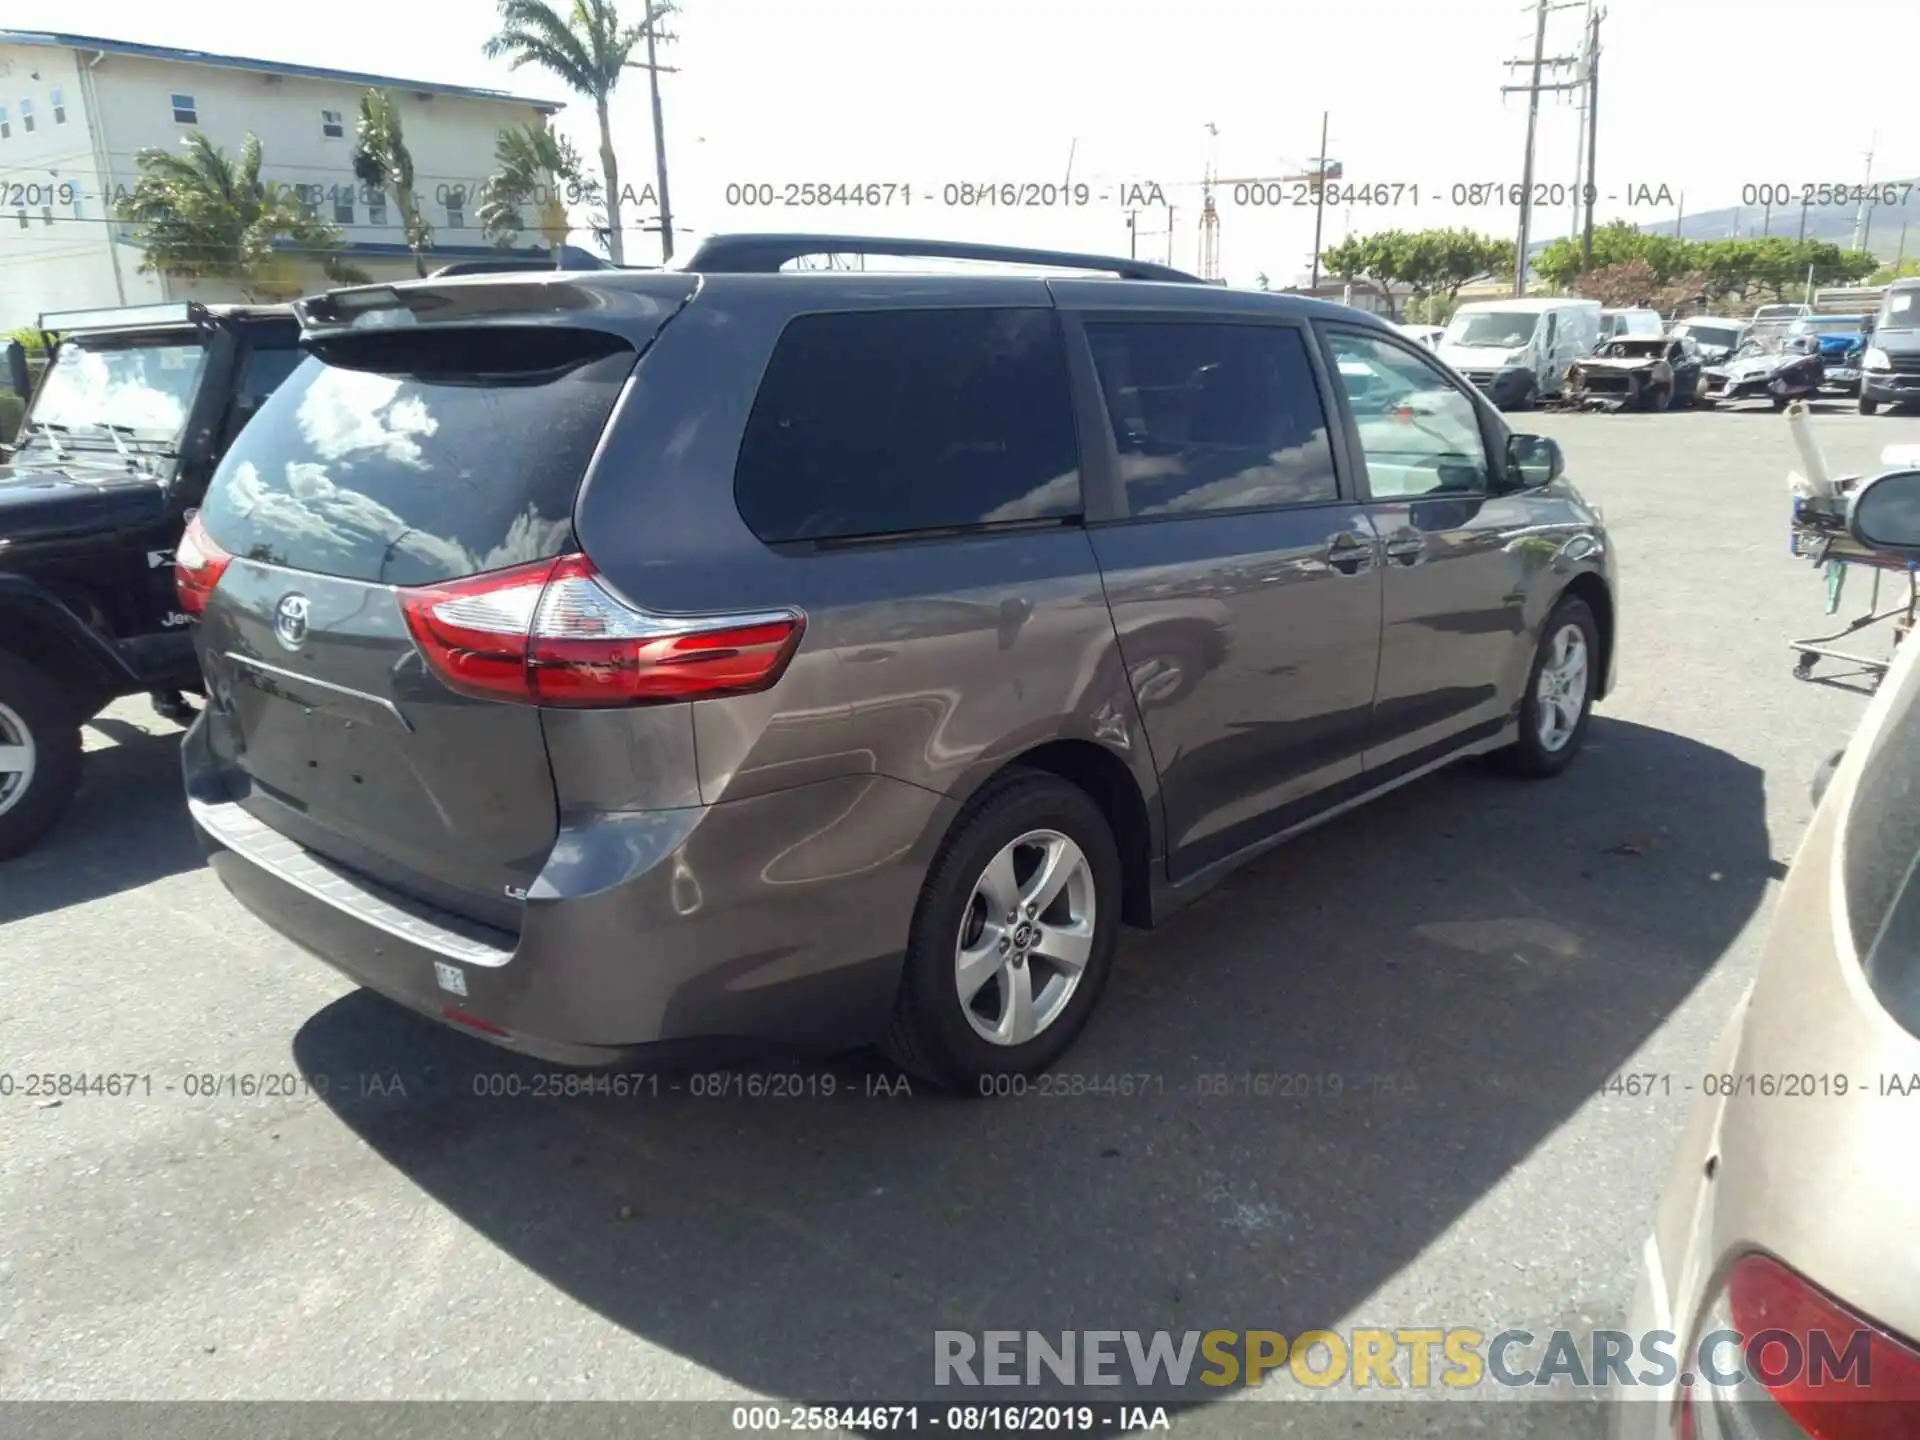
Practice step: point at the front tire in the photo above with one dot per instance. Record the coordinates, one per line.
(1559, 694)
(1013, 937)
(39, 755)
(1868, 405)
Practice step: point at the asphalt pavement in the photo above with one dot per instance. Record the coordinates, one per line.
(309, 1194)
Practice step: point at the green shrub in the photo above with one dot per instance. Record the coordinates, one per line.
(11, 409)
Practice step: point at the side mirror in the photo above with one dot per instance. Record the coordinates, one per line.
(19, 378)
(1535, 460)
(1885, 513)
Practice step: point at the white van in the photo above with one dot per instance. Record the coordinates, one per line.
(1518, 351)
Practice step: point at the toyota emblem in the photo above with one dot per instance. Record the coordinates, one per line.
(290, 621)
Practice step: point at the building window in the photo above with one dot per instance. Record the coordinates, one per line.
(342, 205)
(331, 124)
(6, 129)
(59, 103)
(376, 208)
(185, 112)
(308, 199)
(21, 216)
(46, 214)
(456, 208)
(26, 117)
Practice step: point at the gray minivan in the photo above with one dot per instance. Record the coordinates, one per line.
(600, 660)
(1890, 364)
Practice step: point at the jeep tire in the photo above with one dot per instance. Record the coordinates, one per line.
(39, 754)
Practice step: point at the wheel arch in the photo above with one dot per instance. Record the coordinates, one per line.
(45, 633)
(1110, 783)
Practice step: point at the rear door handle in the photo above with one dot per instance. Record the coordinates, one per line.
(1409, 547)
(1348, 553)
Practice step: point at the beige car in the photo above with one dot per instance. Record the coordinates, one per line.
(1784, 1262)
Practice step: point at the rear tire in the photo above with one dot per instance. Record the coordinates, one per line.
(39, 755)
(1545, 749)
(1660, 398)
(1025, 1003)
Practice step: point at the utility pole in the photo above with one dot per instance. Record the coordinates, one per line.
(1860, 213)
(1593, 128)
(655, 13)
(1133, 235)
(1680, 220)
(1170, 214)
(1766, 219)
(1320, 198)
(1580, 130)
(1533, 89)
(1803, 219)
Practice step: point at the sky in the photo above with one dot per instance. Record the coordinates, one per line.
(922, 94)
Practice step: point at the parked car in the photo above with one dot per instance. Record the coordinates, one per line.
(1518, 351)
(1774, 368)
(1786, 1226)
(1630, 321)
(1427, 335)
(1638, 372)
(1770, 321)
(606, 659)
(1890, 365)
(1717, 338)
(135, 407)
(1843, 340)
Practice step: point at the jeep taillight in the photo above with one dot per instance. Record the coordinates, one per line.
(553, 633)
(197, 567)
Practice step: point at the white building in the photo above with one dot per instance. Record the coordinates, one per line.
(75, 112)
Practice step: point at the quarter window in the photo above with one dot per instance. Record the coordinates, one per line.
(1420, 435)
(1213, 417)
(892, 422)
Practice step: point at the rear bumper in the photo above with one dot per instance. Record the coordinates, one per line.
(779, 919)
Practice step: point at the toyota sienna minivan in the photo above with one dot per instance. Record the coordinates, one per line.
(602, 659)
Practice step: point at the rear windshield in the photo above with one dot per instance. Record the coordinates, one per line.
(408, 458)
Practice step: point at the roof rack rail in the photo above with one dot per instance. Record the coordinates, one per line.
(570, 259)
(127, 317)
(765, 254)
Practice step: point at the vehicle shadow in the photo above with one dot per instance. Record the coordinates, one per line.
(127, 826)
(1443, 977)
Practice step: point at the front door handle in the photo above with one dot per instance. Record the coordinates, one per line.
(1408, 547)
(1348, 553)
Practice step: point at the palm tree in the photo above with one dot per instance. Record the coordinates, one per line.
(587, 49)
(203, 216)
(382, 162)
(540, 171)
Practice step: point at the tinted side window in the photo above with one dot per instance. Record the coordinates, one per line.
(1420, 434)
(407, 457)
(264, 370)
(1213, 417)
(891, 422)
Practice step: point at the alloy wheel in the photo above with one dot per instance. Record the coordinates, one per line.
(1025, 937)
(17, 755)
(1560, 694)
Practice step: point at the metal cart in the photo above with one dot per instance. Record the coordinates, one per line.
(1819, 533)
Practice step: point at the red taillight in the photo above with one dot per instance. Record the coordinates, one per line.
(197, 567)
(551, 633)
(1870, 1391)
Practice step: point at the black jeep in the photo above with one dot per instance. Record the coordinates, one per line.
(135, 408)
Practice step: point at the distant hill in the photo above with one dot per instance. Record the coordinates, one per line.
(1832, 223)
